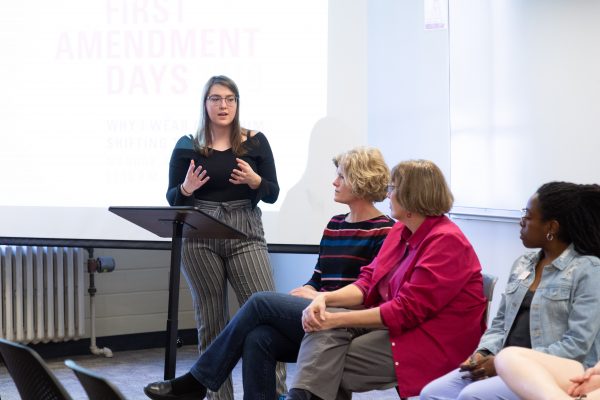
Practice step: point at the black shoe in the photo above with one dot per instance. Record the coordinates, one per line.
(299, 394)
(163, 391)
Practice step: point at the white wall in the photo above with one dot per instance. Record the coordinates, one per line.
(524, 95)
(408, 81)
(497, 245)
(134, 297)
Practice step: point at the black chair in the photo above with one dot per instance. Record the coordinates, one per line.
(31, 375)
(96, 386)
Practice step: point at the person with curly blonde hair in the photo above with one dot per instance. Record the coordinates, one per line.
(350, 240)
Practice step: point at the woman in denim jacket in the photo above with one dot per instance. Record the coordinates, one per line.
(552, 297)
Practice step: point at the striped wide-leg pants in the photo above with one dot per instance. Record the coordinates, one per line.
(208, 264)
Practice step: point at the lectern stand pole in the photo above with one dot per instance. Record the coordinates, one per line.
(171, 345)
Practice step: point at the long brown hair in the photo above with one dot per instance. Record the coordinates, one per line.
(203, 138)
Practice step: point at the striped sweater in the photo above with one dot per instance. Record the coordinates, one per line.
(346, 247)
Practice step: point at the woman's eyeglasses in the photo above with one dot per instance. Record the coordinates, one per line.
(391, 188)
(217, 100)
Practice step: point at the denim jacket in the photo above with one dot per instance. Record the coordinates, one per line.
(565, 310)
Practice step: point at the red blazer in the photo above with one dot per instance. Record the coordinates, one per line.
(436, 304)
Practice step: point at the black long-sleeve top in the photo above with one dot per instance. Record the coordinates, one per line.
(218, 165)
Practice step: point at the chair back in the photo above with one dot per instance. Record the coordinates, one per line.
(31, 375)
(489, 283)
(97, 387)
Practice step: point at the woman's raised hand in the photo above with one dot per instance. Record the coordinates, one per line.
(195, 178)
(245, 174)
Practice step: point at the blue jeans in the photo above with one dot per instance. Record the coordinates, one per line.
(268, 328)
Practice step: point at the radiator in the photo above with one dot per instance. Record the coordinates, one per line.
(41, 293)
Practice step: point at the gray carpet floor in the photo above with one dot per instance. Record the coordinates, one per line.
(130, 371)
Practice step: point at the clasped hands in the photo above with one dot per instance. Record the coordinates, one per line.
(315, 317)
(196, 177)
(478, 367)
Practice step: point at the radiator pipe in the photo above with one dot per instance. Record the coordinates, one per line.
(92, 268)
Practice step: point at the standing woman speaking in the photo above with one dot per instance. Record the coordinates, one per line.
(224, 170)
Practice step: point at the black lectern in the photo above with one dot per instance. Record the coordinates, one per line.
(176, 223)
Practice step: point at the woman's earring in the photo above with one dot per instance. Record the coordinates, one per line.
(549, 236)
